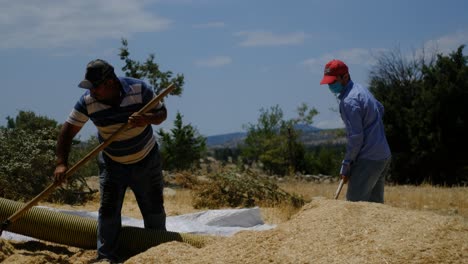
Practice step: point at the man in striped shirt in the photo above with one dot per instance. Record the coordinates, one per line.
(132, 160)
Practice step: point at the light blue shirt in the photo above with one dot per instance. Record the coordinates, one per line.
(362, 115)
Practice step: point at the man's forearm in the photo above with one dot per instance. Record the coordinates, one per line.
(64, 143)
(63, 150)
(158, 116)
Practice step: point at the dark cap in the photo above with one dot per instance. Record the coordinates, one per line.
(332, 69)
(97, 71)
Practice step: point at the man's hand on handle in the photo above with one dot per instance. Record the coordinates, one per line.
(155, 117)
(344, 178)
(59, 173)
(140, 120)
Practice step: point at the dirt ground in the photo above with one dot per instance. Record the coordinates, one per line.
(324, 231)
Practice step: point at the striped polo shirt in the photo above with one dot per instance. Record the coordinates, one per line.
(133, 144)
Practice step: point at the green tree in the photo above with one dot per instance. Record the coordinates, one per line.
(275, 142)
(27, 160)
(425, 117)
(324, 159)
(80, 150)
(29, 121)
(150, 71)
(183, 147)
(226, 153)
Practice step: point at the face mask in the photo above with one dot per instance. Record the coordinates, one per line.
(336, 87)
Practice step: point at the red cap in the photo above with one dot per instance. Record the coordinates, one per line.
(332, 69)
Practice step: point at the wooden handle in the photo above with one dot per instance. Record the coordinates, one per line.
(340, 186)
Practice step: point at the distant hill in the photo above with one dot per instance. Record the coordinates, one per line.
(324, 136)
(311, 136)
(225, 140)
(307, 128)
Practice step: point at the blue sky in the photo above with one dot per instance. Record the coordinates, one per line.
(237, 56)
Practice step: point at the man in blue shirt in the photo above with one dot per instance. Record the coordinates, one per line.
(132, 160)
(367, 155)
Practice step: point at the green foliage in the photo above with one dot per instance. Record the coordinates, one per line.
(426, 116)
(305, 115)
(226, 154)
(27, 160)
(324, 159)
(231, 189)
(150, 70)
(29, 121)
(275, 142)
(79, 151)
(183, 147)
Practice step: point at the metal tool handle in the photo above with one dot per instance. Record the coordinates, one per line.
(340, 186)
(150, 105)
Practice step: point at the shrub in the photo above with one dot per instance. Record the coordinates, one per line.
(183, 148)
(186, 180)
(231, 189)
(27, 163)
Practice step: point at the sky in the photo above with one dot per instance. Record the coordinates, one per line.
(237, 56)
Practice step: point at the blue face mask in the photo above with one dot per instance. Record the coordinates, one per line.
(335, 87)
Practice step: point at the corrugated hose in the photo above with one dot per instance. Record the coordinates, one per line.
(77, 231)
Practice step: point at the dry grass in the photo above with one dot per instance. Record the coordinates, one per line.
(441, 200)
(178, 201)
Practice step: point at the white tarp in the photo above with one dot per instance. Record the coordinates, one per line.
(212, 222)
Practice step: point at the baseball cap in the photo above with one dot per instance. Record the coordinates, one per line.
(97, 71)
(332, 69)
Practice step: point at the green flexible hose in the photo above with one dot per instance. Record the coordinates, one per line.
(81, 232)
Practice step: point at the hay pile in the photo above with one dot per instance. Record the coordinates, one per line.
(40, 252)
(328, 231)
(6, 249)
(324, 231)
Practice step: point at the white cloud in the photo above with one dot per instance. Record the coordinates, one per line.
(365, 57)
(216, 61)
(210, 25)
(71, 23)
(265, 38)
(354, 56)
(444, 44)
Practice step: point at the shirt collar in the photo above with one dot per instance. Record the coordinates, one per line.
(125, 87)
(346, 89)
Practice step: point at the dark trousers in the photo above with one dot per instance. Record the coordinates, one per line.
(367, 180)
(146, 181)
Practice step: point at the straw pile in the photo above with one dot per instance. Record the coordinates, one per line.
(328, 231)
